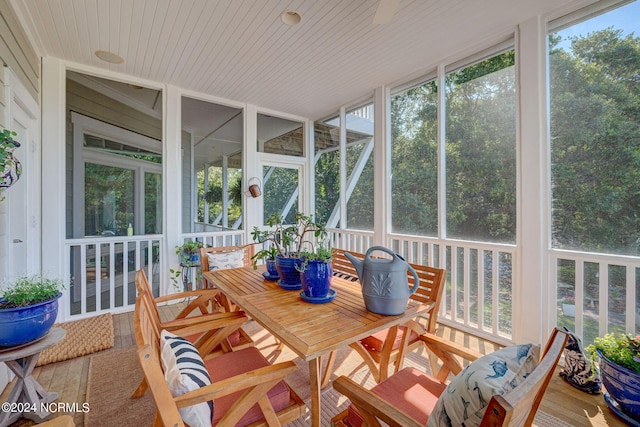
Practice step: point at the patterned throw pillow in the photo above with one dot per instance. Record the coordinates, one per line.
(185, 371)
(222, 260)
(466, 397)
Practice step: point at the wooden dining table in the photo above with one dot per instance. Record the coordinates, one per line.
(310, 330)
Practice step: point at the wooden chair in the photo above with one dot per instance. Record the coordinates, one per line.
(246, 259)
(202, 307)
(341, 265)
(389, 346)
(515, 408)
(244, 384)
(248, 251)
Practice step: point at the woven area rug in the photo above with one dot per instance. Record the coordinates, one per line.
(114, 375)
(83, 337)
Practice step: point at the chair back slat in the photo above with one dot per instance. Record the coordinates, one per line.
(146, 329)
(432, 284)
(342, 266)
(519, 406)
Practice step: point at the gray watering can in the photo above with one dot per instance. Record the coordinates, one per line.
(384, 282)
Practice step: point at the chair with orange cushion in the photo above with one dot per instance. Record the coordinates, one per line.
(411, 398)
(389, 346)
(201, 307)
(242, 385)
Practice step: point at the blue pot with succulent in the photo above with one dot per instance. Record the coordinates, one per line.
(28, 309)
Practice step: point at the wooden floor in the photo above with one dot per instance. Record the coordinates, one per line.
(69, 379)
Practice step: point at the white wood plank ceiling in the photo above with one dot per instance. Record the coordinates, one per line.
(241, 50)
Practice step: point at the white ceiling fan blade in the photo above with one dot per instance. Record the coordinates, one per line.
(386, 11)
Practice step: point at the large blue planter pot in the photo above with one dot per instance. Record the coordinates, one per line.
(623, 386)
(289, 275)
(316, 279)
(25, 324)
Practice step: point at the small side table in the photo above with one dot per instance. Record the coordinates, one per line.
(27, 390)
(190, 277)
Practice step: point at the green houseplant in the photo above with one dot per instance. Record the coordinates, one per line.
(10, 167)
(189, 255)
(268, 255)
(289, 241)
(28, 309)
(316, 272)
(619, 361)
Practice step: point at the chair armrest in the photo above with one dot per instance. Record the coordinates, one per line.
(204, 323)
(208, 293)
(445, 350)
(265, 375)
(255, 384)
(368, 403)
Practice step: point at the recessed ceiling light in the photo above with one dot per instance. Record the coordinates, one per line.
(110, 57)
(290, 17)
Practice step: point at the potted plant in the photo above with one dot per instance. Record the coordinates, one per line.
(189, 255)
(28, 309)
(289, 241)
(619, 361)
(316, 272)
(267, 255)
(10, 167)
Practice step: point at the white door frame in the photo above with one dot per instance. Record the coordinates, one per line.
(25, 109)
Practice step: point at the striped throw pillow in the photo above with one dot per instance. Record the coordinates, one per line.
(184, 371)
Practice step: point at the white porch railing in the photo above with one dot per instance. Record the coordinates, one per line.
(217, 238)
(605, 290)
(479, 276)
(101, 273)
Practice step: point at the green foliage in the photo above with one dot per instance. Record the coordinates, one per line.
(269, 253)
(289, 240)
(187, 249)
(7, 144)
(622, 349)
(595, 150)
(29, 290)
(322, 252)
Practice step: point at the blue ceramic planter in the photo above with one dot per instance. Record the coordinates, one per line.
(25, 324)
(623, 386)
(316, 279)
(289, 276)
(271, 267)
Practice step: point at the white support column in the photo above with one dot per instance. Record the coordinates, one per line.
(343, 168)
(382, 162)
(252, 207)
(442, 169)
(225, 191)
(172, 169)
(53, 172)
(309, 185)
(531, 300)
(206, 188)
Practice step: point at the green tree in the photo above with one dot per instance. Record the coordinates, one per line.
(595, 149)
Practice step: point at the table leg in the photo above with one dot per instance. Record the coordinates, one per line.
(328, 370)
(27, 390)
(314, 383)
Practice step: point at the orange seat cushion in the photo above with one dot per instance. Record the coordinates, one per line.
(376, 341)
(410, 390)
(236, 363)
